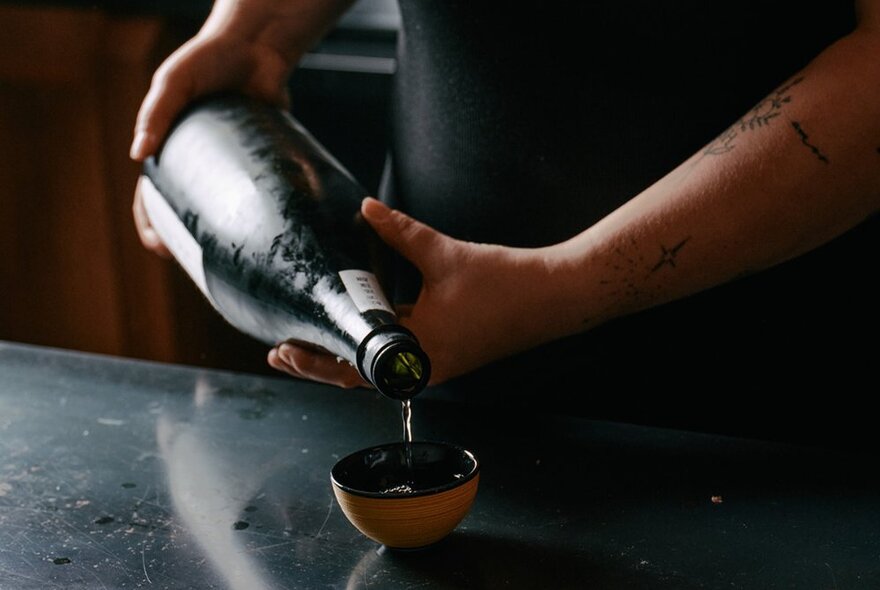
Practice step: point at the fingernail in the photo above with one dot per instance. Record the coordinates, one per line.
(375, 209)
(151, 239)
(138, 146)
(285, 351)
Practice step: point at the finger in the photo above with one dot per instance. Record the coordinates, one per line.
(279, 365)
(320, 367)
(148, 236)
(185, 75)
(170, 91)
(414, 240)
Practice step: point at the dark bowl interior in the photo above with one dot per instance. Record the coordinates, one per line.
(382, 471)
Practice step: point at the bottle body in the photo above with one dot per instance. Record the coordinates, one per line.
(267, 224)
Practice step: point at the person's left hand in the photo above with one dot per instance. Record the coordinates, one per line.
(478, 303)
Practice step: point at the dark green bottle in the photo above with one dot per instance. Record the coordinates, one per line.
(266, 222)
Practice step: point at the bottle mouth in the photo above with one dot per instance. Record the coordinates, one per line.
(395, 364)
(403, 374)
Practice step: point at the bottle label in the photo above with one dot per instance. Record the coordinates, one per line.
(174, 235)
(364, 289)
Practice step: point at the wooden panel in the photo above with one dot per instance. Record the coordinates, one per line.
(49, 46)
(64, 177)
(129, 55)
(59, 260)
(72, 271)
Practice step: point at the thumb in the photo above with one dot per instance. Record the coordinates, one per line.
(414, 240)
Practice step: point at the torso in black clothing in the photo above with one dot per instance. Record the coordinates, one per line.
(525, 126)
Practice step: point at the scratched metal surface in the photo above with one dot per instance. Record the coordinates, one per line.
(119, 474)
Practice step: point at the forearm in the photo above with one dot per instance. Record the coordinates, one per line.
(290, 27)
(801, 168)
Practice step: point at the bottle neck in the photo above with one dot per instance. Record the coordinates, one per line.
(391, 359)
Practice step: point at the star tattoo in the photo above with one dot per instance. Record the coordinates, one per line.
(667, 257)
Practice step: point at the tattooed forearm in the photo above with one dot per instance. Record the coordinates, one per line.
(760, 116)
(805, 140)
(667, 256)
(632, 279)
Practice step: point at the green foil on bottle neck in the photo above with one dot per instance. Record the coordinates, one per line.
(403, 373)
(406, 364)
(395, 364)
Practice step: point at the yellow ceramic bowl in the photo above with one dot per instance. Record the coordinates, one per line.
(405, 508)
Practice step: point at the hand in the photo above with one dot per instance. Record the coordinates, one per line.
(478, 303)
(205, 64)
(149, 238)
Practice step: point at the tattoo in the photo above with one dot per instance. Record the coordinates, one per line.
(667, 258)
(804, 137)
(760, 116)
(627, 268)
(630, 272)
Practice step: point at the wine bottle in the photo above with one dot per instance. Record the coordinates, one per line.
(267, 224)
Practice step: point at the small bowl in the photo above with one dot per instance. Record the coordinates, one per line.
(406, 508)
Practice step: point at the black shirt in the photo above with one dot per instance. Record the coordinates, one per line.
(525, 126)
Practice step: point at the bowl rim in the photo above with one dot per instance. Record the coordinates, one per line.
(405, 495)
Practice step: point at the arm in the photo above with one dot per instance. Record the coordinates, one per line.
(799, 169)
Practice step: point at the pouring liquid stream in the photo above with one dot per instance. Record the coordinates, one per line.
(406, 417)
(408, 486)
(407, 477)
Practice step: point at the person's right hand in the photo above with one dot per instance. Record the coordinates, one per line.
(207, 63)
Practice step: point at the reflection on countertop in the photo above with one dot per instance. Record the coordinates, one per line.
(124, 474)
